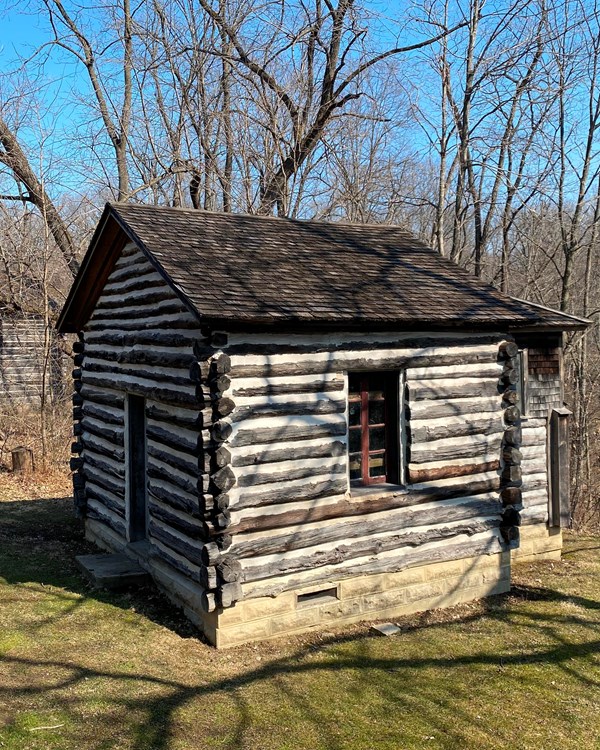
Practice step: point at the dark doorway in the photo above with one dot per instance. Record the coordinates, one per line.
(136, 456)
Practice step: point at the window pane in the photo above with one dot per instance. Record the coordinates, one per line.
(354, 413)
(376, 412)
(376, 438)
(355, 465)
(354, 440)
(377, 465)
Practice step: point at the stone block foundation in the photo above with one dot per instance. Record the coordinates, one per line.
(538, 542)
(374, 597)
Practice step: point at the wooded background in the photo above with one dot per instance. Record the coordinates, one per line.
(473, 123)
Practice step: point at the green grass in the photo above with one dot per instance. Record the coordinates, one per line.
(87, 669)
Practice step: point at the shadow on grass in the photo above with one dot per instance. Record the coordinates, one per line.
(39, 539)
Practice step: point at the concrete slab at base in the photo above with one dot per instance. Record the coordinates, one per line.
(113, 571)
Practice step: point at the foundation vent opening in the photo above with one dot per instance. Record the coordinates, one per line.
(313, 598)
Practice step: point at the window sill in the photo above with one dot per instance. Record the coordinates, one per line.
(378, 490)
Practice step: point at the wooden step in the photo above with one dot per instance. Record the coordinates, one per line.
(113, 571)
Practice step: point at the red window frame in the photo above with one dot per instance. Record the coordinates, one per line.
(363, 385)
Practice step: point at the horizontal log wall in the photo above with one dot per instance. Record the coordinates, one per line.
(292, 519)
(141, 340)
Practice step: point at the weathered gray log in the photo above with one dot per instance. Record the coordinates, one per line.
(75, 464)
(290, 432)
(171, 460)
(450, 390)
(175, 521)
(208, 602)
(422, 453)
(509, 377)
(78, 481)
(261, 478)
(220, 384)
(77, 385)
(362, 345)
(220, 431)
(296, 451)
(147, 357)
(177, 501)
(77, 447)
(207, 577)
(510, 534)
(148, 338)
(229, 569)
(77, 399)
(511, 496)
(197, 418)
(155, 393)
(108, 520)
(322, 406)
(366, 526)
(511, 474)
(118, 454)
(185, 547)
(508, 350)
(162, 378)
(283, 494)
(76, 373)
(175, 440)
(141, 314)
(359, 506)
(223, 406)
(114, 436)
(91, 394)
(169, 558)
(512, 456)
(222, 520)
(199, 371)
(96, 412)
(183, 483)
(409, 559)
(105, 499)
(222, 456)
(512, 415)
(395, 361)
(510, 398)
(153, 293)
(228, 594)
(221, 501)
(211, 554)
(282, 389)
(221, 364)
(77, 413)
(224, 479)
(426, 432)
(283, 565)
(110, 484)
(446, 472)
(454, 408)
(92, 461)
(511, 517)
(78, 359)
(223, 541)
(513, 436)
(78, 347)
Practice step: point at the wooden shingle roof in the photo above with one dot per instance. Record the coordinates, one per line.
(248, 270)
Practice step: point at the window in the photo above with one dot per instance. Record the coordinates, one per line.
(374, 421)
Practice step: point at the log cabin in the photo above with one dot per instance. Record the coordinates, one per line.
(293, 425)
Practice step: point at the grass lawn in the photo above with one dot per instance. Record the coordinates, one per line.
(86, 669)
